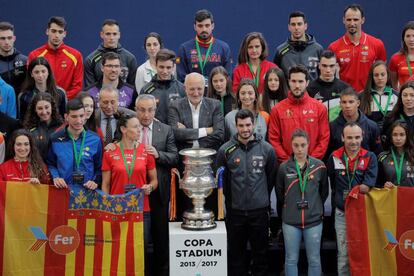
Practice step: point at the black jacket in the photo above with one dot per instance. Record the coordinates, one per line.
(164, 91)
(289, 194)
(13, 69)
(249, 173)
(41, 134)
(371, 140)
(93, 63)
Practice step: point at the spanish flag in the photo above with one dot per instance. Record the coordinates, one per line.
(47, 231)
(380, 231)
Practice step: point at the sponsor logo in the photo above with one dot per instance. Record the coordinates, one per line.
(405, 243)
(62, 240)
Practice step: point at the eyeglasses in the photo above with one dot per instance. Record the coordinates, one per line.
(112, 66)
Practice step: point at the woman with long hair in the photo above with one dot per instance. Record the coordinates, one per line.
(39, 78)
(41, 120)
(152, 44)
(89, 104)
(395, 165)
(402, 63)
(247, 97)
(403, 109)
(378, 98)
(128, 166)
(302, 188)
(252, 61)
(219, 87)
(24, 162)
(275, 89)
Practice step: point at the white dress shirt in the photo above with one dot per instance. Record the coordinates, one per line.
(195, 114)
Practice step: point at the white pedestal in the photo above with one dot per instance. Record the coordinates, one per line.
(198, 253)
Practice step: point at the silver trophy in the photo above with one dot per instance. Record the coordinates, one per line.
(198, 183)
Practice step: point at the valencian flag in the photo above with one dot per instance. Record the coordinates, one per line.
(380, 231)
(47, 231)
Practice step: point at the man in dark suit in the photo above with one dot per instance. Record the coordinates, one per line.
(196, 122)
(159, 140)
(108, 112)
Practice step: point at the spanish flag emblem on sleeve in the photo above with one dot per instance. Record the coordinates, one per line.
(47, 231)
(380, 231)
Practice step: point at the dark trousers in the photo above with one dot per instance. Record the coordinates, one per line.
(242, 227)
(159, 234)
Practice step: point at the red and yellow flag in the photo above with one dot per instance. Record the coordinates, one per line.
(46, 231)
(380, 231)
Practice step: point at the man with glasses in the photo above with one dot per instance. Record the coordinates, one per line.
(111, 76)
(66, 62)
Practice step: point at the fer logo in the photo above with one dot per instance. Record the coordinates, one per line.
(406, 243)
(62, 240)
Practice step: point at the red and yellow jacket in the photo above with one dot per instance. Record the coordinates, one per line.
(67, 66)
(305, 113)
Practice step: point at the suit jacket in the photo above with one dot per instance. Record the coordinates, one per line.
(164, 142)
(210, 116)
(121, 110)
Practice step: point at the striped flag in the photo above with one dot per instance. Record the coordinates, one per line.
(380, 231)
(46, 231)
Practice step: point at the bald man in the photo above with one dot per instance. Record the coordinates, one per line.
(196, 121)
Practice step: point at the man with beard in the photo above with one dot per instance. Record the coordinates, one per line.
(349, 103)
(12, 62)
(250, 166)
(356, 50)
(110, 35)
(299, 48)
(299, 110)
(204, 52)
(349, 166)
(66, 62)
(111, 69)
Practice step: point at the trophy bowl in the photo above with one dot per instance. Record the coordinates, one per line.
(198, 183)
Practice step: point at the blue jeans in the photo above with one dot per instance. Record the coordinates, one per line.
(312, 237)
(340, 227)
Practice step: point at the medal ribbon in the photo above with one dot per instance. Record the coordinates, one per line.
(347, 170)
(410, 70)
(128, 169)
(384, 111)
(302, 182)
(256, 75)
(398, 167)
(200, 57)
(78, 156)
